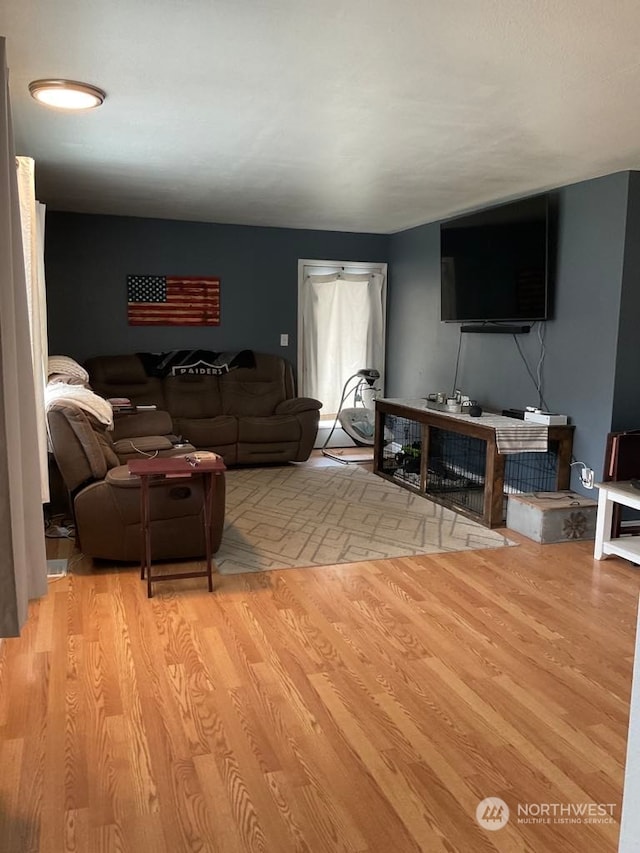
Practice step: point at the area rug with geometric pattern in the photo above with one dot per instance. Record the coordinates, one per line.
(290, 517)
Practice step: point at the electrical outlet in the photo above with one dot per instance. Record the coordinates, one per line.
(587, 478)
(284, 340)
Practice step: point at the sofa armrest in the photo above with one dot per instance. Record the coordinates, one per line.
(142, 423)
(296, 405)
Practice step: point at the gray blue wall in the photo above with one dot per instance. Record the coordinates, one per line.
(88, 259)
(592, 343)
(581, 340)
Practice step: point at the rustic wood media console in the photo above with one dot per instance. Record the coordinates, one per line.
(453, 459)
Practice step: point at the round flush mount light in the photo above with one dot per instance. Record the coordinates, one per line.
(66, 94)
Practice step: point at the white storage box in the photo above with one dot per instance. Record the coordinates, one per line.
(545, 418)
(552, 516)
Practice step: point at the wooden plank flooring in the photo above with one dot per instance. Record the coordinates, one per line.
(367, 707)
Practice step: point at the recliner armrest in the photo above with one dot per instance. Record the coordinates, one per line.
(150, 446)
(142, 446)
(296, 405)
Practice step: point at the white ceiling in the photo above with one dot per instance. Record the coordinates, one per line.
(353, 115)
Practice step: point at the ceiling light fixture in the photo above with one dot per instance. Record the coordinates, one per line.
(66, 94)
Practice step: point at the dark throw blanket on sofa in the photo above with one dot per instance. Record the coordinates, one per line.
(194, 362)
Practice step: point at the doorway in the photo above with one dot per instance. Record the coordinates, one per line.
(341, 329)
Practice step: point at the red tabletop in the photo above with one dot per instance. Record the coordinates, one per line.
(174, 465)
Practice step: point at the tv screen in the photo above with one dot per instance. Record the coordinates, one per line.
(494, 264)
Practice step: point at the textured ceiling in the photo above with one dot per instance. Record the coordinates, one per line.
(353, 115)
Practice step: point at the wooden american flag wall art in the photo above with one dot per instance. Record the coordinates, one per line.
(172, 300)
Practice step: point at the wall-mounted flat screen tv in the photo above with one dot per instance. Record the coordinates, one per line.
(495, 264)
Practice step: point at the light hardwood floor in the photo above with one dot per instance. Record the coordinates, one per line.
(366, 707)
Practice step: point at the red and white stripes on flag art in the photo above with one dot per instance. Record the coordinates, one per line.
(159, 300)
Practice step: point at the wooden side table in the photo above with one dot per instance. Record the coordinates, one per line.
(611, 494)
(210, 471)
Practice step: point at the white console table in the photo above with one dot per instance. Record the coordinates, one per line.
(627, 547)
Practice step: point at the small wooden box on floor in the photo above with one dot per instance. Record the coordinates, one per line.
(549, 517)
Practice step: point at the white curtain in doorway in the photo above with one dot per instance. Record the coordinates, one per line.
(342, 332)
(32, 215)
(23, 565)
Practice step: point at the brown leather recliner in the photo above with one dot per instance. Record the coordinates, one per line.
(105, 498)
(250, 415)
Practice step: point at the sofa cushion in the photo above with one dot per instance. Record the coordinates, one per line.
(257, 391)
(142, 423)
(117, 370)
(272, 429)
(124, 376)
(251, 398)
(192, 396)
(208, 432)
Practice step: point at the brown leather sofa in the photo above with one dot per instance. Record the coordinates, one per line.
(249, 415)
(105, 498)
